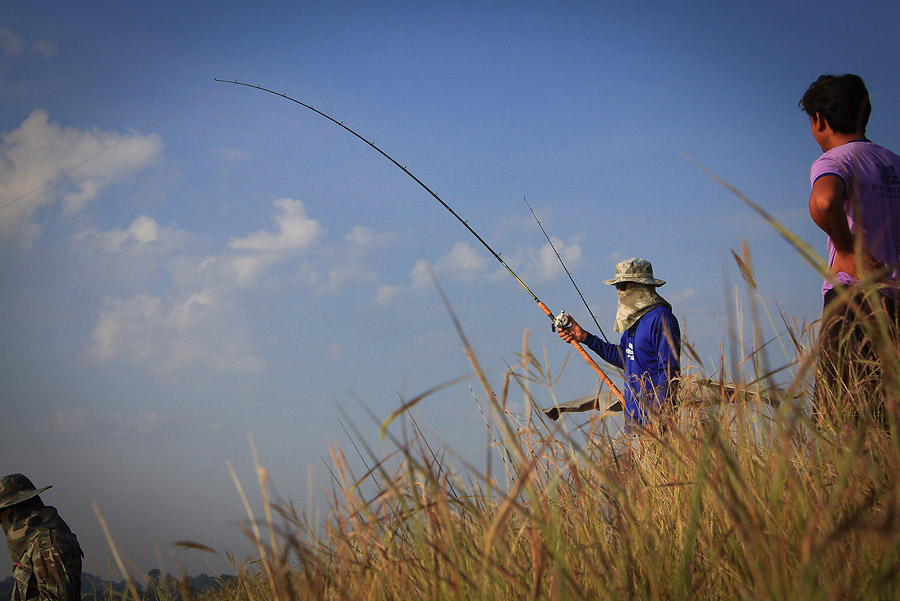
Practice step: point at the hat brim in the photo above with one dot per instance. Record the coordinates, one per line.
(22, 496)
(647, 281)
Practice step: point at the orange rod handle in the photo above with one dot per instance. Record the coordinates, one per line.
(589, 359)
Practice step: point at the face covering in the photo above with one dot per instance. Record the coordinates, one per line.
(634, 302)
(22, 522)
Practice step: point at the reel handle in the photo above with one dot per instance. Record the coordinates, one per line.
(561, 321)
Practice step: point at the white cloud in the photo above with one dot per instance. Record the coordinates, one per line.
(45, 48)
(189, 318)
(245, 268)
(42, 162)
(182, 309)
(171, 334)
(386, 294)
(295, 231)
(682, 296)
(231, 357)
(354, 259)
(110, 241)
(78, 421)
(461, 264)
(181, 353)
(190, 311)
(420, 275)
(144, 229)
(617, 256)
(12, 45)
(70, 421)
(367, 238)
(10, 42)
(465, 264)
(343, 274)
(462, 261)
(468, 263)
(124, 326)
(230, 154)
(135, 423)
(546, 263)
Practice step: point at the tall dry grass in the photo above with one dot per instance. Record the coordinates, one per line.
(743, 497)
(737, 500)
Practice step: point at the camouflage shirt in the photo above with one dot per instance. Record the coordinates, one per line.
(49, 567)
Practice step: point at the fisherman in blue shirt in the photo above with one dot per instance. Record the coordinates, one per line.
(650, 346)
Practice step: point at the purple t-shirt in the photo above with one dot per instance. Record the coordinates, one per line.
(871, 174)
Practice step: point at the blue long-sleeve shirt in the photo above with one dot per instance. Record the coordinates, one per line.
(649, 357)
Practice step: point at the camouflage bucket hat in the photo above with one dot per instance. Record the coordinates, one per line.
(16, 488)
(635, 270)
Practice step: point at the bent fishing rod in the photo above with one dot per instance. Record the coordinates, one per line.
(559, 321)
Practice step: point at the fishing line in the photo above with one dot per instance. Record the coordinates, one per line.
(559, 321)
(571, 279)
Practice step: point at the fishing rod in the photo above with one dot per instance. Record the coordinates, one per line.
(559, 321)
(571, 279)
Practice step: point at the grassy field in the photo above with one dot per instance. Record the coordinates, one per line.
(739, 499)
(748, 494)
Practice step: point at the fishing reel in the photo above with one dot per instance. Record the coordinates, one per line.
(561, 321)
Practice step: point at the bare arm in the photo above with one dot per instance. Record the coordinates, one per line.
(826, 207)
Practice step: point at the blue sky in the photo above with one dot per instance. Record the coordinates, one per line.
(185, 262)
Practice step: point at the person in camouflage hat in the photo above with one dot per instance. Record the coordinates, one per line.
(650, 348)
(45, 553)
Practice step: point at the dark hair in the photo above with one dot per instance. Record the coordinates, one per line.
(842, 100)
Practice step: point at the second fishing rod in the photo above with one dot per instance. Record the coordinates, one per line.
(558, 321)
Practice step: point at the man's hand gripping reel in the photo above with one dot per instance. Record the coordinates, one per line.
(561, 322)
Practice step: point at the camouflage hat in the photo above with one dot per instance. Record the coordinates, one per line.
(635, 270)
(16, 488)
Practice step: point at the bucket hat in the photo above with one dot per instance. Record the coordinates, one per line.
(16, 488)
(635, 270)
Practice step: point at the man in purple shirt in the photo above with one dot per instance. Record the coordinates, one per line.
(650, 346)
(855, 200)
